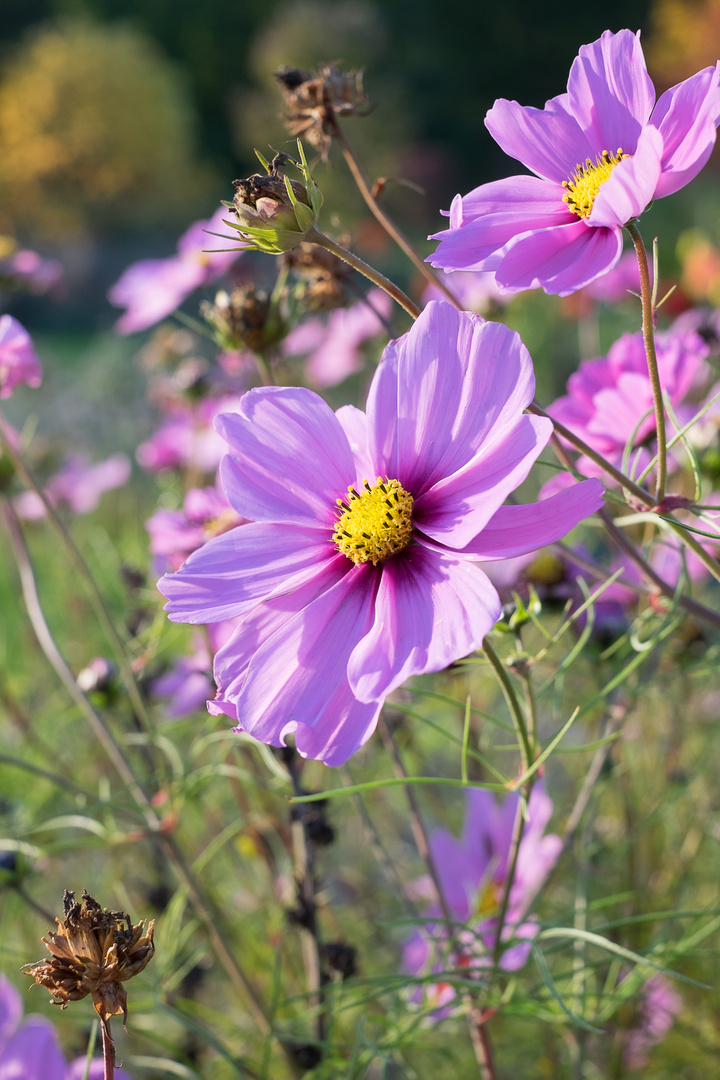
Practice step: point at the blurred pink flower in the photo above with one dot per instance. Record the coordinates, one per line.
(334, 344)
(78, 486)
(472, 872)
(175, 534)
(154, 288)
(28, 269)
(189, 682)
(618, 284)
(600, 153)
(187, 439)
(18, 359)
(476, 290)
(658, 1009)
(349, 588)
(29, 1049)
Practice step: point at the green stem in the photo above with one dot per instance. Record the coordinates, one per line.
(388, 225)
(314, 236)
(513, 704)
(648, 330)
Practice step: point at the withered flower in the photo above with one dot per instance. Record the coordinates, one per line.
(328, 281)
(275, 213)
(311, 102)
(94, 952)
(245, 318)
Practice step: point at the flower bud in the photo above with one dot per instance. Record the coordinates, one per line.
(275, 214)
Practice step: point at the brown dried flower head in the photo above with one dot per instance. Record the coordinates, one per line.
(328, 281)
(311, 102)
(94, 952)
(244, 318)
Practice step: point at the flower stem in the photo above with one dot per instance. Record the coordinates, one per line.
(648, 330)
(108, 1051)
(388, 225)
(314, 236)
(513, 704)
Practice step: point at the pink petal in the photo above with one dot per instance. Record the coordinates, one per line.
(686, 117)
(33, 1053)
(19, 362)
(459, 506)
(514, 530)
(297, 680)
(430, 610)
(631, 185)
(11, 1009)
(236, 570)
(560, 260)
(548, 141)
(354, 423)
(443, 393)
(610, 91)
(289, 457)
(493, 215)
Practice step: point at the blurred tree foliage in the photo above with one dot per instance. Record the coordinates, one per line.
(686, 38)
(95, 126)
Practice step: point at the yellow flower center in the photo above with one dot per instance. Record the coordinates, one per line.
(375, 523)
(584, 185)
(489, 899)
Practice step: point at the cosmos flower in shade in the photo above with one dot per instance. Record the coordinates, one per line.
(18, 359)
(334, 344)
(29, 1048)
(609, 398)
(472, 872)
(175, 534)
(600, 153)
(153, 288)
(77, 486)
(356, 568)
(659, 1006)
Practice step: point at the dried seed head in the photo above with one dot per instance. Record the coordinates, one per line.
(94, 952)
(311, 102)
(244, 319)
(327, 281)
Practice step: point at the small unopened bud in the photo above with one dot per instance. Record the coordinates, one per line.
(274, 213)
(311, 102)
(245, 319)
(94, 952)
(97, 676)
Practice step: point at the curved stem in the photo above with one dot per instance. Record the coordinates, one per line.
(648, 330)
(314, 236)
(513, 704)
(388, 225)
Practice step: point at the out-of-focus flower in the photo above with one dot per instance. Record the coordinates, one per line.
(26, 269)
(472, 873)
(334, 346)
(475, 290)
(348, 585)
(618, 284)
(700, 260)
(18, 360)
(658, 1009)
(187, 438)
(77, 485)
(609, 398)
(311, 102)
(153, 288)
(29, 1049)
(189, 683)
(94, 952)
(246, 318)
(600, 153)
(275, 214)
(175, 534)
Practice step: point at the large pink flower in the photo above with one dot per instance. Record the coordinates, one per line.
(355, 569)
(600, 153)
(18, 359)
(153, 288)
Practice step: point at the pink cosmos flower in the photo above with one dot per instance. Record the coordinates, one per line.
(660, 1005)
(18, 359)
(618, 284)
(610, 397)
(175, 534)
(78, 486)
(187, 438)
(154, 288)
(472, 872)
(600, 153)
(188, 683)
(355, 569)
(29, 270)
(29, 1049)
(334, 344)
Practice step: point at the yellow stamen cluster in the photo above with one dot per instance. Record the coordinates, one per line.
(488, 900)
(375, 523)
(585, 184)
